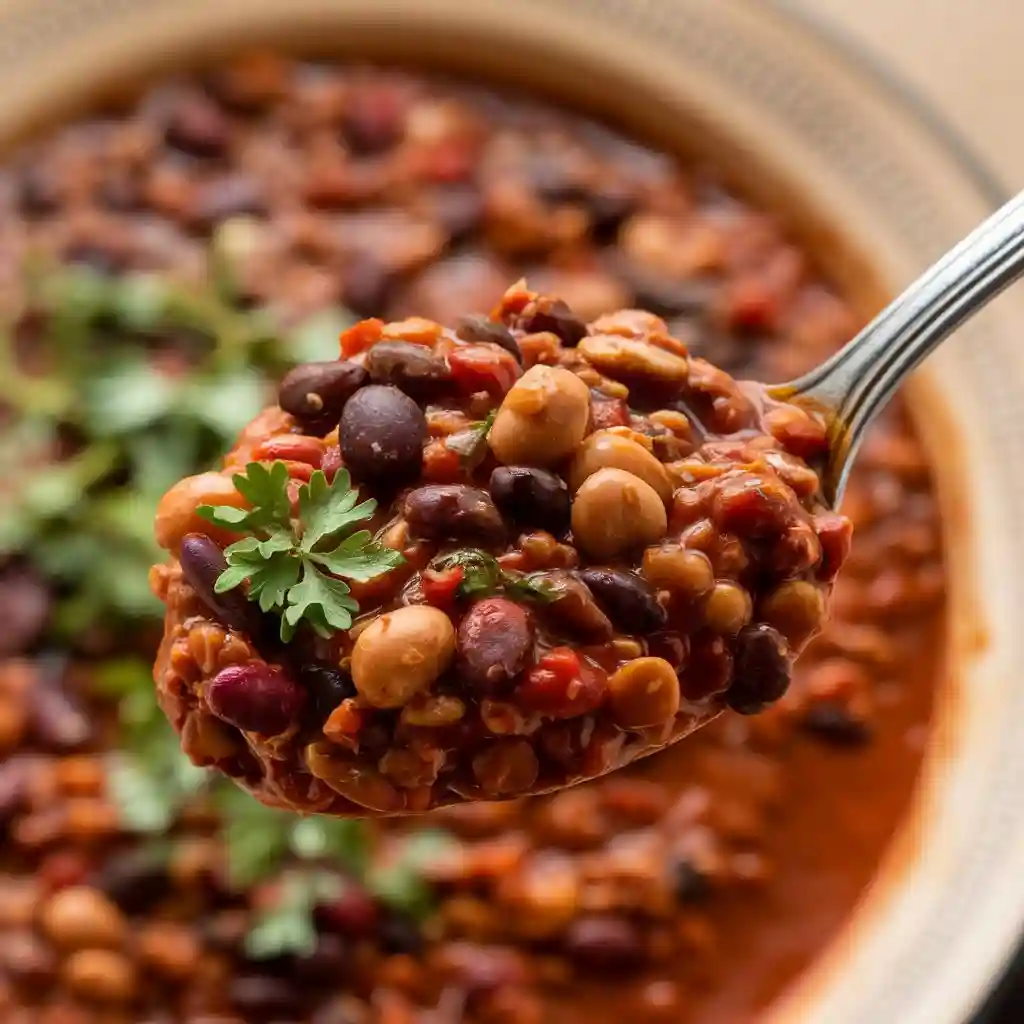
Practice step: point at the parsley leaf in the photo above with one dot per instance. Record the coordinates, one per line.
(286, 926)
(483, 575)
(470, 443)
(280, 562)
(401, 883)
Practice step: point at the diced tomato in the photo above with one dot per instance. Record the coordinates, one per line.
(299, 470)
(483, 368)
(439, 585)
(291, 448)
(607, 413)
(359, 337)
(332, 462)
(344, 722)
(440, 464)
(561, 685)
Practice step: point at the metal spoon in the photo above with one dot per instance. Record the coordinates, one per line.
(857, 382)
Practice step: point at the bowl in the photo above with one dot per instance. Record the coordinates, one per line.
(877, 190)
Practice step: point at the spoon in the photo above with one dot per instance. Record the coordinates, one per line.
(855, 384)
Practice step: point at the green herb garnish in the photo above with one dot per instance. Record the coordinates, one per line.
(469, 443)
(297, 567)
(482, 575)
(286, 926)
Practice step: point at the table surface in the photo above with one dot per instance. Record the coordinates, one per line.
(964, 58)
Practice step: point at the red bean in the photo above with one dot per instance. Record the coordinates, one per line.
(202, 562)
(605, 943)
(255, 697)
(495, 639)
(454, 512)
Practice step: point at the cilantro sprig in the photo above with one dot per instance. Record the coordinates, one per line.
(296, 567)
(482, 575)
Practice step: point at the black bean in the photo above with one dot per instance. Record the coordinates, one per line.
(834, 723)
(555, 317)
(327, 964)
(255, 697)
(762, 669)
(398, 933)
(482, 328)
(327, 688)
(411, 368)
(605, 942)
(382, 434)
(198, 126)
(316, 393)
(495, 640)
(532, 497)
(454, 512)
(134, 879)
(626, 598)
(24, 608)
(202, 562)
(689, 883)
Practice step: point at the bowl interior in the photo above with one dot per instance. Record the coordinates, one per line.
(875, 194)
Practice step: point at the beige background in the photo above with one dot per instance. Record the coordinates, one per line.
(965, 56)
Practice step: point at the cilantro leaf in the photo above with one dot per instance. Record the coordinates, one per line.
(481, 573)
(286, 926)
(401, 883)
(358, 557)
(326, 510)
(527, 588)
(470, 443)
(322, 600)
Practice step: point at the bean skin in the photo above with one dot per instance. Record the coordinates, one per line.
(382, 433)
(483, 328)
(532, 497)
(255, 697)
(316, 393)
(455, 512)
(762, 670)
(494, 641)
(627, 599)
(411, 368)
(202, 562)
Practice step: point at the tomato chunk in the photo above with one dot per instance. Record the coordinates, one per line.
(562, 685)
(483, 368)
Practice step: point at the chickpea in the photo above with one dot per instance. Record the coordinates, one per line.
(604, 449)
(542, 419)
(80, 916)
(796, 609)
(615, 511)
(100, 975)
(679, 570)
(644, 692)
(728, 608)
(401, 653)
(176, 513)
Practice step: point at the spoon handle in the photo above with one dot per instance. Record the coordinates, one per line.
(857, 382)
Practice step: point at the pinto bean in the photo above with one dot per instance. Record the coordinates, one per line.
(411, 368)
(454, 512)
(494, 639)
(316, 393)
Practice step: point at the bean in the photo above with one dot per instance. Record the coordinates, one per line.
(202, 562)
(553, 316)
(133, 879)
(327, 687)
(382, 433)
(543, 418)
(762, 670)
(353, 780)
(401, 653)
(683, 572)
(101, 975)
(176, 514)
(26, 959)
(614, 512)
(198, 126)
(316, 393)
(506, 767)
(411, 368)
(531, 497)
(495, 639)
(796, 609)
(57, 716)
(82, 916)
(625, 358)
(644, 692)
(255, 697)
(626, 598)
(604, 449)
(573, 606)
(483, 328)
(260, 996)
(454, 512)
(728, 608)
(605, 943)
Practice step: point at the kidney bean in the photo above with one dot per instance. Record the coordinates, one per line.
(762, 669)
(202, 562)
(454, 512)
(134, 879)
(626, 598)
(382, 433)
(354, 913)
(482, 367)
(495, 639)
(411, 368)
(255, 697)
(532, 497)
(299, 449)
(573, 606)
(605, 942)
(554, 317)
(483, 328)
(316, 393)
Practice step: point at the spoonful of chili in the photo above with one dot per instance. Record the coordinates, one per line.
(480, 563)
